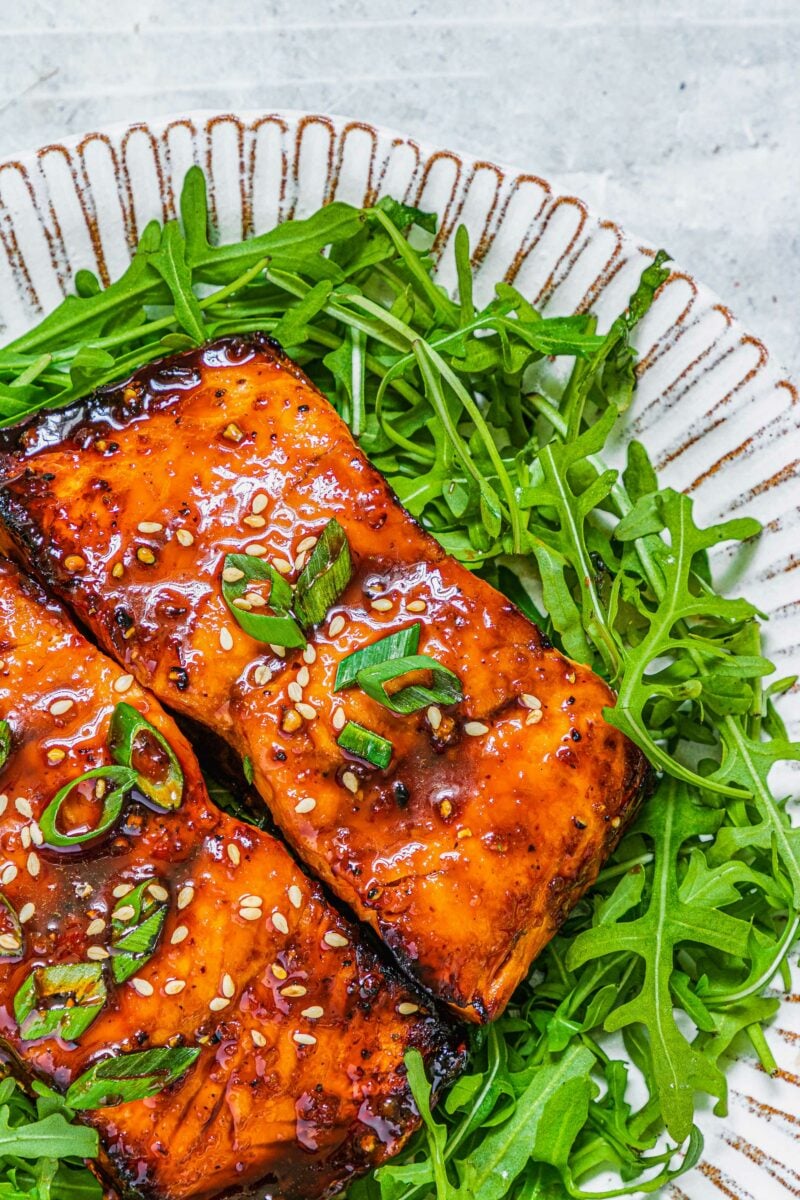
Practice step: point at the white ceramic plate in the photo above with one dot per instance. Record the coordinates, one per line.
(714, 412)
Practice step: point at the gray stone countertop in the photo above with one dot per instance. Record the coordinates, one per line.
(681, 120)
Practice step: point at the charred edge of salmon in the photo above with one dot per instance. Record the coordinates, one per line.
(155, 385)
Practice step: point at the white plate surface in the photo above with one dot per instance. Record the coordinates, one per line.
(717, 417)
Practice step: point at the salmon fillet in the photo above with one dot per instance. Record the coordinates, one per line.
(181, 927)
(494, 813)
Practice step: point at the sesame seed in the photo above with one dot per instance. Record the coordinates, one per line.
(94, 927)
(336, 626)
(121, 890)
(570, 676)
(616, 822)
(293, 990)
(306, 805)
(308, 543)
(406, 1009)
(3, 803)
(118, 570)
(466, 832)
(218, 1003)
(185, 537)
(534, 716)
(303, 677)
(251, 901)
(278, 971)
(334, 939)
(33, 864)
(25, 837)
(142, 987)
(232, 574)
(123, 683)
(282, 565)
(173, 986)
(74, 562)
(244, 604)
(125, 913)
(149, 527)
(300, 561)
(280, 923)
(250, 914)
(291, 721)
(100, 788)
(434, 717)
(255, 550)
(129, 633)
(445, 808)
(350, 781)
(158, 892)
(228, 987)
(309, 654)
(96, 953)
(475, 728)
(260, 502)
(338, 720)
(280, 651)
(9, 942)
(180, 933)
(82, 890)
(295, 896)
(384, 604)
(234, 853)
(146, 556)
(530, 701)
(313, 1013)
(59, 707)
(232, 432)
(254, 521)
(23, 807)
(416, 606)
(306, 710)
(185, 896)
(255, 600)
(262, 674)
(225, 638)
(304, 1039)
(9, 873)
(26, 912)
(294, 691)
(258, 1038)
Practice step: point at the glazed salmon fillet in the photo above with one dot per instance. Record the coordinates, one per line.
(166, 927)
(467, 848)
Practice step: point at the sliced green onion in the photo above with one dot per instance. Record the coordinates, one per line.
(135, 743)
(59, 1001)
(247, 768)
(325, 575)
(394, 645)
(445, 686)
(275, 627)
(128, 1077)
(10, 930)
(363, 743)
(134, 937)
(125, 779)
(5, 743)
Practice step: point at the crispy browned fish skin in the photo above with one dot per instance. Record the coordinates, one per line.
(298, 1119)
(466, 854)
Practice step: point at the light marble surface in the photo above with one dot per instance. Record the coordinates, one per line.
(679, 119)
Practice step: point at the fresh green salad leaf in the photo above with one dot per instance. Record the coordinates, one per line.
(503, 459)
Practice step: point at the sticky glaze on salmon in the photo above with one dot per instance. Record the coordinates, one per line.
(466, 853)
(300, 1080)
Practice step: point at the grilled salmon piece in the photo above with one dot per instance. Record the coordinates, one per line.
(494, 814)
(180, 927)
